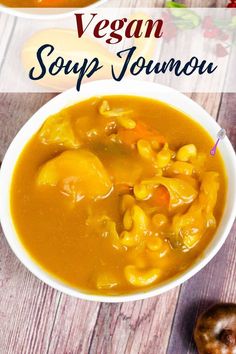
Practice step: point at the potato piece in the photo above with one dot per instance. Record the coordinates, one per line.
(58, 130)
(77, 174)
(140, 278)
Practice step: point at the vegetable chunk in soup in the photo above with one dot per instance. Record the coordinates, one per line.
(47, 3)
(117, 194)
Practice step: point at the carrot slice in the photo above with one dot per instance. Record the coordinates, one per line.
(160, 197)
(141, 131)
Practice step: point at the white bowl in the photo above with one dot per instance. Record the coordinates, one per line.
(109, 87)
(45, 13)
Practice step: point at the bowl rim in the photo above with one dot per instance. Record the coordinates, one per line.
(17, 12)
(109, 87)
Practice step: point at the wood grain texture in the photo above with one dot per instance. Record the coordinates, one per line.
(39, 319)
(136, 327)
(135, 3)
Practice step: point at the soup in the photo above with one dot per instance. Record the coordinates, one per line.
(47, 3)
(117, 194)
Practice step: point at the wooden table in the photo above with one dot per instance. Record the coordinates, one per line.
(35, 319)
